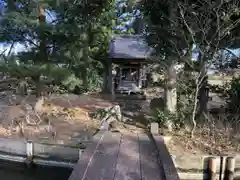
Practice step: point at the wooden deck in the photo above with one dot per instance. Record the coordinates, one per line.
(116, 156)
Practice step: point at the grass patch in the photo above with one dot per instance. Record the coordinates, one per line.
(215, 77)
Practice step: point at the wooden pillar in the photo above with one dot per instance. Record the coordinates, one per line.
(120, 75)
(110, 78)
(140, 76)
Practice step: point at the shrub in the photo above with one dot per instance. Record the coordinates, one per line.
(166, 119)
(233, 95)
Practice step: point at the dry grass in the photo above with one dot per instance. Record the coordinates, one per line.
(60, 121)
(216, 77)
(214, 138)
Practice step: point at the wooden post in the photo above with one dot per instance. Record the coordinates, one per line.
(212, 166)
(29, 153)
(110, 77)
(113, 85)
(222, 167)
(139, 74)
(229, 170)
(120, 75)
(29, 149)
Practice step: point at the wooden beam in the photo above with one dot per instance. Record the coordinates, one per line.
(150, 168)
(128, 166)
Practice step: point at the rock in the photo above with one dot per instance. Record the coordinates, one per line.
(38, 107)
(169, 125)
(112, 114)
(157, 103)
(22, 88)
(130, 114)
(113, 126)
(154, 128)
(108, 116)
(127, 120)
(28, 107)
(104, 125)
(117, 111)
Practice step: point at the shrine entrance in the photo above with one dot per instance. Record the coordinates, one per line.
(129, 77)
(127, 64)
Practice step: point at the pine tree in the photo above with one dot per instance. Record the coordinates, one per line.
(73, 37)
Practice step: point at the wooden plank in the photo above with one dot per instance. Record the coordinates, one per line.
(103, 164)
(128, 164)
(86, 157)
(150, 168)
(166, 160)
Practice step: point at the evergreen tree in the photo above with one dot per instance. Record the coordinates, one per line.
(75, 36)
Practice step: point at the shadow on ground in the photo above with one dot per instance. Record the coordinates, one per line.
(117, 157)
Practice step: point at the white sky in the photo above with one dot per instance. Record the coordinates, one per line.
(20, 47)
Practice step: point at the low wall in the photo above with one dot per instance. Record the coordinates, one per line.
(38, 153)
(195, 167)
(57, 155)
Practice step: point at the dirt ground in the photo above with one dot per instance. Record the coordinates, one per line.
(64, 119)
(206, 141)
(219, 136)
(212, 138)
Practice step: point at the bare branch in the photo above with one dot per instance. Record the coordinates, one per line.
(186, 24)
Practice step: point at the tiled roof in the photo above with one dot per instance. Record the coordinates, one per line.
(129, 47)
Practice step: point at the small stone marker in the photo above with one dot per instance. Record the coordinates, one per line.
(154, 128)
(80, 154)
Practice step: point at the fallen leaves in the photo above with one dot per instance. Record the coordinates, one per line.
(205, 142)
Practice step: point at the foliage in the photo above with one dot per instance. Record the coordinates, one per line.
(71, 83)
(164, 117)
(179, 29)
(230, 92)
(175, 26)
(160, 117)
(234, 95)
(69, 43)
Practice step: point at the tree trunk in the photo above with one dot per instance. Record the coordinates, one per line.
(203, 88)
(105, 80)
(38, 84)
(170, 90)
(43, 55)
(170, 93)
(39, 89)
(170, 99)
(108, 86)
(85, 79)
(203, 96)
